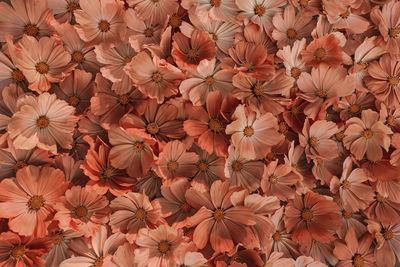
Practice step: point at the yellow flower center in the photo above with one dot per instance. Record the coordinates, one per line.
(295, 72)
(380, 198)
(215, 125)
(345, 14)
(218, 214)
(192, 54)
(388, 234)
(248, 131)
(303, 3)
(164, 246)
(138, 146)
(313, 141)
(248, 65)
(320, 53)
(270, 156)
(393, 80)
(321, 93)
(358, 261)
(394, 32)
(214, 37)
(127, 60)
(319, 161)
(175, 21)
(172, 166)
(185, 207)
(42, 67)
(209, 81)
(17, 75)
(347, 214)
(283, 127)
(346, 185)
(273, 179)
(307, 215)
(237, 166)
(124, 99)
(339, 136)
(108, 173)
(99, 262)
(104, 26)
(391, 120)
(156, 77)
(73, 100)
(277, 236)
(259, 10)
(215, 3)
(257, 89)
(72, 6)
(42, 122)
(81, 211)
(57, 239)
(19, 165)
(367, 134)
(148, 32)
(355, 108)
(152, 128)
(35, 202)
(140, 214)
(291, 33)
(202, 166)
(77, 57)
(18, 251)
(31, 29)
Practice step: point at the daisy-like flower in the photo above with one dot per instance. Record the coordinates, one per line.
(223, 10)
(8, 103)
(355, 252)
(383, 205)
(150, 184)
(64, 10)
(154, 11)
(353, 105)
(104, 177)
(312, 217)
(366, 136)
(307, 7)
(100, 21)
(390, 117)
(22, 250)
(42, 62)
(263, 96)
(207, 77)
(253, 135)
(131, 151)
(188, 256)
(82, 210)
(158, 247)
(289, 26)
(43, 121)
(351, 220)
(253, 33)
(316, 139)
(350, 20)
(240, 171)
(209, 126)
(77, 89)
(155, 78)
(9, 72)
(189, 52)
(326, 49)
(25, 17)
(114, 60)
(13, 159)
(278, 179)
(291, 56)
(218, 221)
(384, 80)
(133, 211)
(174, 161)
(29, 199)
(260, 11)
(174, 207)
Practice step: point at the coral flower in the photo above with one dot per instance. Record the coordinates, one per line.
(326, 49)
(154, 11)
(155, 78)
(218, 221)
(316, 139)
(209, 126)
(42, 121)
(217, 10)
(174, 161)
(100, 21)
(384, 80)
(26, 17)
(82, 210)
(188, 52)
(9, 72)
(8, 103)
(30, 198)
(253, 135)
(42, 62)
(64, 10)
(291, 56)
(366, 136)
(349, 20)
(158, 247)
(22, 251)
(311, 217)
(133, 211)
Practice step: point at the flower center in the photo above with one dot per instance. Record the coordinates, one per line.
(81, 211)
(35, 202)
(140, 214)
(31, 29)
(214, 37)
(185, 207)
(202, 166)
(42, 67)
(303, 3)
(270, 156)
(18, 251)
(138, 146)
(215, 3)
(123, 99)
(156, 77)
(394, 32)
(107, 174)
(248, 131)
(363, 65)
(295, 111)
(393, 80)
(175, 21)
(19, 165)
(391, 120)
(345, 14)
(339, 136)
(104, 26)
(380, 198)
(42, 122)
(295, 72)
(283, 127)
(355, 108)
(257, 89)
(172, 166)
(277, 236)
(164, 246)
(358, 261)
(319, 161)
(367, 134)
(148, 33)
(346, 214)
(388, 234)
(247, 65)
(291, 33)
(72, 6)
(215, 125)
(237, 166)
(259, 10)
(346, 185)
(99, 262)
(321, 93)
(307, 215)
(57, 239)
(320, 53)
(209, 80)
(313, 142)
(218, 214)
(152, 128)
(273, 179)
(73, 100)
(77, 57)
(17, 75)
(192, 54)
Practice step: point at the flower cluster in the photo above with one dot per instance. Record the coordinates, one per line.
(195, 133)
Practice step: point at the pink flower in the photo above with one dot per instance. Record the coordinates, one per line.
(366, 136)
(64, 10)
(43, 121)
(156, 12)
(30, 198)
(291, 57)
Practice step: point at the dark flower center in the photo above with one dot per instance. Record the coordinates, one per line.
(35, 202)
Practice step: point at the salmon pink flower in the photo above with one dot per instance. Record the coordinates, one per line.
(64, 10)
(291, 56)
(154, 11)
